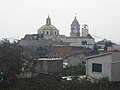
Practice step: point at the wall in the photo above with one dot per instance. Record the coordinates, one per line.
(74, 59)
(64, 51)
(115, 66)
(116, 47)
(49, 67)
(116, 57)
(115, 71)
(77, 41)
(35, 43)
(60, 50)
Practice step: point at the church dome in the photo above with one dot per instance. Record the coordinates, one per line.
(48, 30)
(48, 27)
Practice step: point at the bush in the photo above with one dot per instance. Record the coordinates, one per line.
(80, 69)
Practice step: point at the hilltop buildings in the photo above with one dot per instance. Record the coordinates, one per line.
(49, 43)
(50, 32)
(72, 50)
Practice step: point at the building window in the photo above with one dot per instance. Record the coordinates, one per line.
(55, 33)
(72, 28)
(47, 33)
(40, 31)
(42, 35)
(84, 42)
(96, 67)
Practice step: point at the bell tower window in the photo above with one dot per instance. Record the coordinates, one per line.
(55, 33)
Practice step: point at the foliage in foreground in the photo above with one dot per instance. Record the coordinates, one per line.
(10, 63)
(75, 84)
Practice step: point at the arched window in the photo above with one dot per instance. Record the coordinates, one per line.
(84, 42)
(40, 31)
(55, 32)
(47, 33)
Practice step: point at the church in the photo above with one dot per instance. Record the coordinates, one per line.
(79, 36)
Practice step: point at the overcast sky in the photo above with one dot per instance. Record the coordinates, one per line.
(20, 17)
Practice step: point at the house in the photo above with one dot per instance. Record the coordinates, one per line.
(102, 65)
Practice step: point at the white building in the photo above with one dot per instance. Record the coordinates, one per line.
(86, 42)
(102, 65)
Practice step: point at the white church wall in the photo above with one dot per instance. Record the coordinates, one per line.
(75, 41)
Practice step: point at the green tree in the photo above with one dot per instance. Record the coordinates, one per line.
(80, 69)
(10, 63)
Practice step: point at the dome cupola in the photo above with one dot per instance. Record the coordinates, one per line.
(48, 30)
(48, 21)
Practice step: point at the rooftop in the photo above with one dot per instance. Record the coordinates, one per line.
(41, 59)
(99, 55)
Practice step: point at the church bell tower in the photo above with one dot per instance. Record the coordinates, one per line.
(85, 31)
(75, 28)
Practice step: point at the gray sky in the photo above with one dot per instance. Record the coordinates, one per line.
(20, 17)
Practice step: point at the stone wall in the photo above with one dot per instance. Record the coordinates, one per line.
(49, 66)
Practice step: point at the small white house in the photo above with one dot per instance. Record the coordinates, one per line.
(102, 65)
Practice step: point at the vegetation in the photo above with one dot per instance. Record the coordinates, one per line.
(95, 49)
(75, 84)
(10, 63)
(75, 70)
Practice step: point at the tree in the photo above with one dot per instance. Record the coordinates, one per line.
(80, 69)
(10, 62)
(95, 49)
